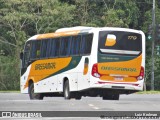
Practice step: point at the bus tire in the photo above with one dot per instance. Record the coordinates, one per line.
(66, 91)
(111, 97)
(32, 95)
(78, 96)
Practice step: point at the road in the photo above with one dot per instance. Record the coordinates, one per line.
(133, 102)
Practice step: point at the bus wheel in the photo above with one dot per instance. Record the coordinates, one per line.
(32, 95)
(66, 91)
(78, 96)
(115, 97)
(111, 97)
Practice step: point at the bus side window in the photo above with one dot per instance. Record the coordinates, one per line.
(36, 45)
(65, 46)
(55, 45)
(75, 45)
(86, 44)
(48, 48)
(44, 48)
(26, 54)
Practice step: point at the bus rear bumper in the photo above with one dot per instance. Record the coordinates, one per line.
(138, 86)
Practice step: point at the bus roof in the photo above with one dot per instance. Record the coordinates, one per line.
(81, 28)
(78, 30)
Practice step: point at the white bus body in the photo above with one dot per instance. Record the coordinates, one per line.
(102, 62)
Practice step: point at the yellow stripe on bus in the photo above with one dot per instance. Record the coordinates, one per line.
(130, 68)
(58, 34)
(41, 69)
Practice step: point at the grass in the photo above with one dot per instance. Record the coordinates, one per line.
(10, 91)
(149, 92)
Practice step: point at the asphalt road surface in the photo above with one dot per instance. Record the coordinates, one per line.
(133, 102)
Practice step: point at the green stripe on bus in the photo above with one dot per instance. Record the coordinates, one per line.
(74, 62)
(113, 58)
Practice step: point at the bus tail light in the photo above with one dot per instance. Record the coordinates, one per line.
(95, 71)
(141, 74)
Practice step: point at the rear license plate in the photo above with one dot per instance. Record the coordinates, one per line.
(119, 78)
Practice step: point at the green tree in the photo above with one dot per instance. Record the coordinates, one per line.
(121, 14)
(21, 19)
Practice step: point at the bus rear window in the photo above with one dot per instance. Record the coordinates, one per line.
(120, 42)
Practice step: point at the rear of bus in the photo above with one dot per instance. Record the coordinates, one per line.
(120, 61)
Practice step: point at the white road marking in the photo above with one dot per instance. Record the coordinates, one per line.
(96, 108)
(93, 106)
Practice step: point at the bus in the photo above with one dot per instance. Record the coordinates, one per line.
(83, 61)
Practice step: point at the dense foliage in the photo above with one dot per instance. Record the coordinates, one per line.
(20, 19)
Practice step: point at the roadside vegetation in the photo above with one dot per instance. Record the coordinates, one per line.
(149, 92)
(21, 19)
